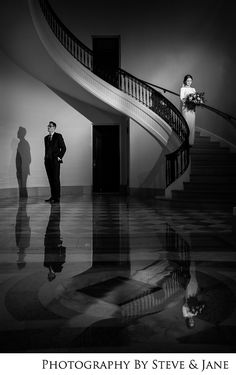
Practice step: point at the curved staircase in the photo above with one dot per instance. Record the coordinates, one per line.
(119, 89)
(212, 178)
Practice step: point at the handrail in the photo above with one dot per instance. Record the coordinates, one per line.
(176, 162)
(220, 113)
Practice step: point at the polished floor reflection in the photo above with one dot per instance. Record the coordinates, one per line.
(106, 273)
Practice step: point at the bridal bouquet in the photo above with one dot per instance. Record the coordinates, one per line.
(194, 99)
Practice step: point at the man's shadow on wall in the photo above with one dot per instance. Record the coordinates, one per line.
(23, 160)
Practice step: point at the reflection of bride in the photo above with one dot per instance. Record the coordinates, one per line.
(192, 306)
(188, 114)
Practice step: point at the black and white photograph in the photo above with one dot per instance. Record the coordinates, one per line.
(118, 179)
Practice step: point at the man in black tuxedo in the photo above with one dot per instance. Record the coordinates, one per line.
(54, 151)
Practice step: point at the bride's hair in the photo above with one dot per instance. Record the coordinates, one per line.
(186, 77)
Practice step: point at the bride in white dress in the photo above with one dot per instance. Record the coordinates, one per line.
(189, 114)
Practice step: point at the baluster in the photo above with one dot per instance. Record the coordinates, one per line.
(142, 93)
(69, 44)
(72, 47)
(90, 60)
(118, 79)
(77, 51)
(129, 85)
(65, 45)
(132, 85)
(138, 91)
(62, 36)
(89, 64)
(83, 55)
(49, 20)
(59, 33)
(146, 96)
(53, 24)
(87, 59)
(123, 81)
(135, 88)
(177, 167)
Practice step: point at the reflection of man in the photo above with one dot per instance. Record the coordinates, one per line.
(55, 253)
(54, 151)
(22, 232)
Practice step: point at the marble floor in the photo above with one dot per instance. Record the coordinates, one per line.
(107, 273)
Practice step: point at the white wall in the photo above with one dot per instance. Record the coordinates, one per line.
(27, 103)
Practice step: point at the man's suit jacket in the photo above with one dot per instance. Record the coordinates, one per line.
(56, 147)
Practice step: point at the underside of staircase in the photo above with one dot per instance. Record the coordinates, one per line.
(212, 178)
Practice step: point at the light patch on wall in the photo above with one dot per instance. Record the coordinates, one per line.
(31, 105)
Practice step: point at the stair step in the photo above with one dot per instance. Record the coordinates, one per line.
(218, 163)
(212, 179)
(205, 195)
(210, 188)
(205, 171)
(199, 141)
(215, 157)
(202, 138)
(210, 164)
(214, 153)
(201, 204)
(209, 185)
(204, 143)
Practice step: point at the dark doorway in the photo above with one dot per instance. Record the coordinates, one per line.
(106, 158)
(106, 58)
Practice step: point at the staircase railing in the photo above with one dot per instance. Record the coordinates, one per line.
(220, 113)
(176, 162)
